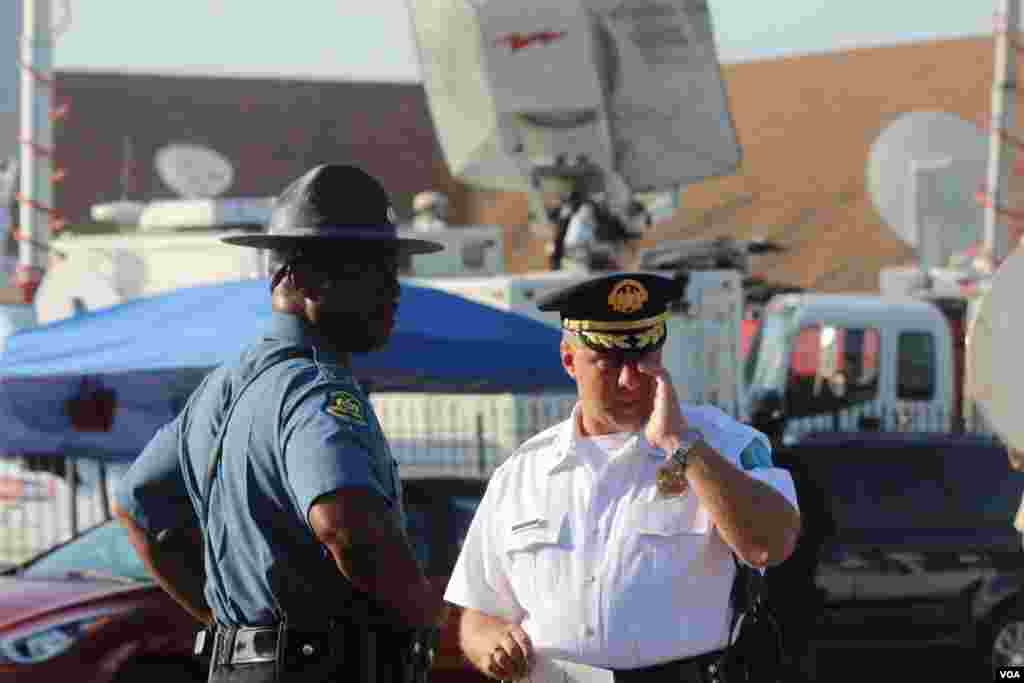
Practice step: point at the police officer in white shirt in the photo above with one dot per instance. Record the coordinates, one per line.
(603, 548)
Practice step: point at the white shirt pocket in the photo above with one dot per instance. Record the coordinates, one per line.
(670, 516)
(667, 534)
(537, 548)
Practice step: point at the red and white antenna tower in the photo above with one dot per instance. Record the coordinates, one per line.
(996, 245)
(37, 215)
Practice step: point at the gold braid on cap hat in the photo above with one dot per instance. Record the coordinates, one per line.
(613, 325)
(645, 339)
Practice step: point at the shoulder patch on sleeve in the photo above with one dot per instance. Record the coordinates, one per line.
(756, 455)
(345, 405)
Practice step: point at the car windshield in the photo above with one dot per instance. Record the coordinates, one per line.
(102, 552)
(105, 552)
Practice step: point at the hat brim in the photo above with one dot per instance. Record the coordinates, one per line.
(404, 245)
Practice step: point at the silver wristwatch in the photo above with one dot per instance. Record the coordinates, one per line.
(681, 455)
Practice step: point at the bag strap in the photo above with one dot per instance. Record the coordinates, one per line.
(217, 453)
(747, 599)
(218, 444)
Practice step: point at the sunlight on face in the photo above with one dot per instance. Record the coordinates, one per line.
(615, 396)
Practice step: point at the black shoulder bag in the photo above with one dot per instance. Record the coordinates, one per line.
(755, 652)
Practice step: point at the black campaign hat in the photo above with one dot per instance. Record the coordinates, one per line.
(333, 203)
(625, 311)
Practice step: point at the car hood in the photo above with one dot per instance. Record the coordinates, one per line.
(25, 599)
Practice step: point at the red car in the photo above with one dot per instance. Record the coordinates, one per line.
(88, 611)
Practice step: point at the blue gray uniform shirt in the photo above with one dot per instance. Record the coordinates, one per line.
(303, 429)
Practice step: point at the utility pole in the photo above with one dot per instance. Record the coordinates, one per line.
(1001, 154)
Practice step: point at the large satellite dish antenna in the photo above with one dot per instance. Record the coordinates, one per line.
(944, 159)
(993, 353)
(194, 171)
(89, 281)
(617, 97)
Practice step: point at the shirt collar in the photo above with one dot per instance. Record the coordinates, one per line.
(567, 443)
(295, 329)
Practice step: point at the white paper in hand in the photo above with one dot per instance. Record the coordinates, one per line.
(548, 670)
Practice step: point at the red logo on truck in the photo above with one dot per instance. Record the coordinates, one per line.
(518, 41)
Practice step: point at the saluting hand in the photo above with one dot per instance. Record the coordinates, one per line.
(667, 424)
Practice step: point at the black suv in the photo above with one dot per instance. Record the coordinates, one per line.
(908, 542)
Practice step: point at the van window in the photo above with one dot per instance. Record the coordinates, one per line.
(915, 366)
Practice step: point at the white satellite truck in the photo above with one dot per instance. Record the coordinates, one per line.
(897, 360)
(616, 101)
(164, 245)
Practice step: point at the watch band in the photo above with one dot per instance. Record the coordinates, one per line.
(681, 455)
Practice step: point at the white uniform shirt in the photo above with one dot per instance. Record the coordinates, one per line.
(597, 567)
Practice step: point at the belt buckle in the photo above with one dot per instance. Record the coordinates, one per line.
(203, 641)
(246, 648)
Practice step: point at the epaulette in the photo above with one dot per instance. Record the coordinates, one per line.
(537, 442)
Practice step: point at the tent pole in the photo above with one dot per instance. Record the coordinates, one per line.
(71, 477)
(101, 482)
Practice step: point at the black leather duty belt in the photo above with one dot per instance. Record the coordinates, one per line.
(700, 669)
(252, 645)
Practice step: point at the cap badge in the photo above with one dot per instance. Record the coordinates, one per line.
(627, 296)
(392, 217)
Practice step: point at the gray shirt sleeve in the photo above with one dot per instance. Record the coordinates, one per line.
(153, 489)
(329, 444)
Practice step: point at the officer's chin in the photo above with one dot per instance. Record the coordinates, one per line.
(367, 343)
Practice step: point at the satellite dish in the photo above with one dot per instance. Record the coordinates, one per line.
(951, 156)
(522, 90)
(994, 340)
(194, 171)
(88, 281)
(121, 213)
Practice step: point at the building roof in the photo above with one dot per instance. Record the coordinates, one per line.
(271, 130)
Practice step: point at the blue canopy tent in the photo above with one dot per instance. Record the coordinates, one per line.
(148, 355)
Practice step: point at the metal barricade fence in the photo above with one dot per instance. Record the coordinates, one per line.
(429, 436)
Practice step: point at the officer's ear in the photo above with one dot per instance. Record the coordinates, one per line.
(305, 279)
(567, 349)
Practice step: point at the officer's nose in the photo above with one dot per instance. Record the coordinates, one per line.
(630, 377)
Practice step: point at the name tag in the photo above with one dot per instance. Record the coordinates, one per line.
(528, 524)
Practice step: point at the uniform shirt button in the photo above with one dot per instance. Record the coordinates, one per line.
(590, 579)
(588, 631)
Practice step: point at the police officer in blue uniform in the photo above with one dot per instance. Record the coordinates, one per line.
(270, 508)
